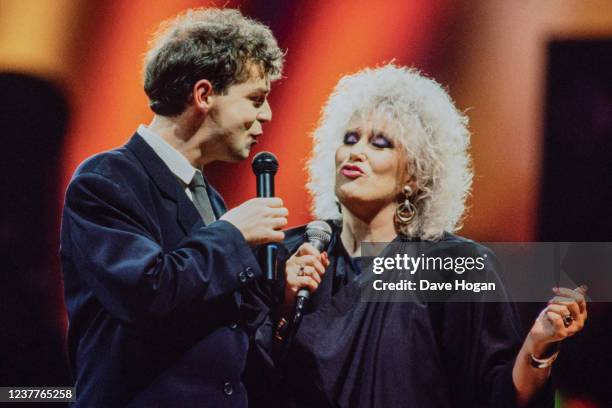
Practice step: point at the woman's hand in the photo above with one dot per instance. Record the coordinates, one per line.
(563, 317)
(304, 270)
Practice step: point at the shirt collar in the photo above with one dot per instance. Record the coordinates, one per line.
(176, 162)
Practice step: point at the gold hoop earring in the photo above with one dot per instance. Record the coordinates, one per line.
(405, 211)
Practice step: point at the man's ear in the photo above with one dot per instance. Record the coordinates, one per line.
(202, 91)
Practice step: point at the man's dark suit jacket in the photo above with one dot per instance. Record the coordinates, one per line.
(152, 294)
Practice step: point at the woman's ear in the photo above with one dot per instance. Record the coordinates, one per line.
(202, 92)
(408, 179)
(411, 182)
(406, 174)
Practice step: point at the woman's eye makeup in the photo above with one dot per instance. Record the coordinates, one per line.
(380, 140)
(351, 138)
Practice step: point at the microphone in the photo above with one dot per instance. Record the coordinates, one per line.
(318, 234)
(265, 166)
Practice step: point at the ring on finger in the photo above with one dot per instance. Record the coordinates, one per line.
(568, 320)
(301, 271)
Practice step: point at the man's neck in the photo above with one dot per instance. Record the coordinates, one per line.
(378, 229)
(182, 133)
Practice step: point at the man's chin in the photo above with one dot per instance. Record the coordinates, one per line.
(240, 155)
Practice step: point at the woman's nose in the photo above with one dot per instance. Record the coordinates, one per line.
(357, 151)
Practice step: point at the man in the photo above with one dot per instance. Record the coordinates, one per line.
(152, 263)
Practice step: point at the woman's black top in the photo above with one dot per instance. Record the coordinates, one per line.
(350, 353)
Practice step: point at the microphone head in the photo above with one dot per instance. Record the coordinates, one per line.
(318, 233)
(264, 162)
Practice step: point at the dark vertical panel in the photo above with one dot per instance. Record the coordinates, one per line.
(33, 117)
(576, 193)
(577, 166)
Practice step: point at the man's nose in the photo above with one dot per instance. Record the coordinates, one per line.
(265, 112)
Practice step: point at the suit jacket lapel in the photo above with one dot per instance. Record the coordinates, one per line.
(167, 183)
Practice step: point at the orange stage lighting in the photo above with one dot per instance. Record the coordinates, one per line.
(329, 39)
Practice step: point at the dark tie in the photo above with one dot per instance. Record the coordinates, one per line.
(201, 199)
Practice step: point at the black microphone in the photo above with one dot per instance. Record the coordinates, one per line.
(265, 166)
(318, 234)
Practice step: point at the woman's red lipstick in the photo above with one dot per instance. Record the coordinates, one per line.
(351, 171)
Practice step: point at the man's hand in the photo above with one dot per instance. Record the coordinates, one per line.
(260, 220)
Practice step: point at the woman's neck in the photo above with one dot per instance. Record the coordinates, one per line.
(379, 228)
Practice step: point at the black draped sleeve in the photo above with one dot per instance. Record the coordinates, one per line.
(350, 353)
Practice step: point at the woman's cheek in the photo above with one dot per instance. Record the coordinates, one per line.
(340, 156)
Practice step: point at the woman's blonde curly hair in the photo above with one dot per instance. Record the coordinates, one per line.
(434, 133)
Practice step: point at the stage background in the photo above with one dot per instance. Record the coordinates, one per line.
(535, 78)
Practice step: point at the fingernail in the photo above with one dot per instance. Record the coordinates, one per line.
(584, 287)
(555, 289)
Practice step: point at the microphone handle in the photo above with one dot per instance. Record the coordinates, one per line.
(265, 185)
(265, 188)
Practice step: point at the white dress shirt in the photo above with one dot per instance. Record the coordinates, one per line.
(176, 162)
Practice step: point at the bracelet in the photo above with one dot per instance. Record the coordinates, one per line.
(542, 362)
(280, 329)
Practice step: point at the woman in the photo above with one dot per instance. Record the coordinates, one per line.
(391, 164)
